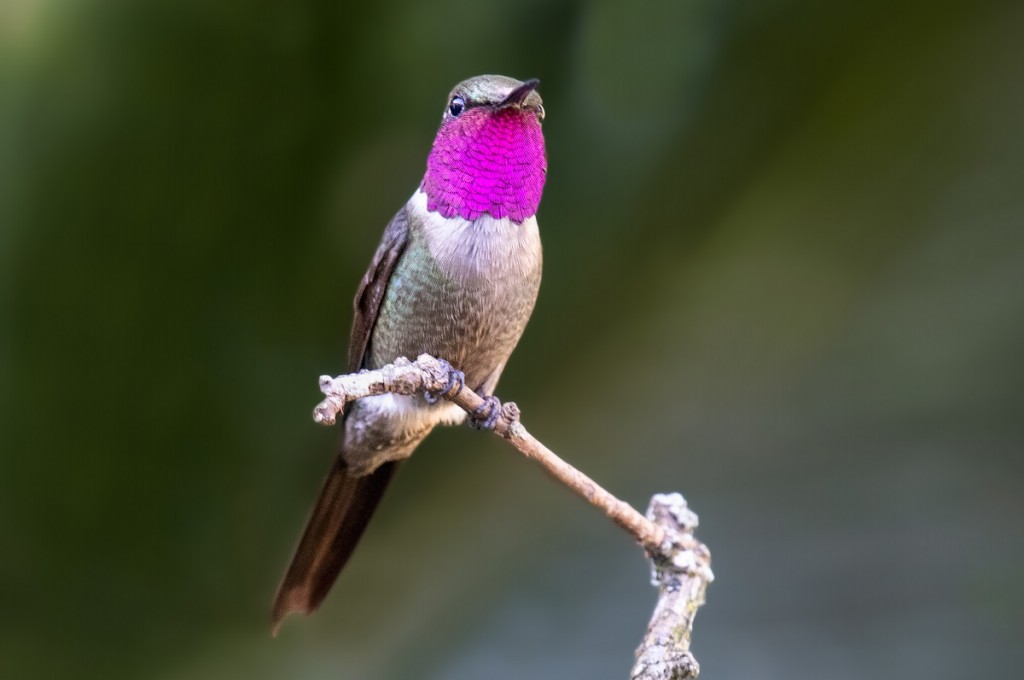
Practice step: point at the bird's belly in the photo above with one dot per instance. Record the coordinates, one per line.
(471, 315)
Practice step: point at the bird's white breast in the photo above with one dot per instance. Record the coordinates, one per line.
(488, 247)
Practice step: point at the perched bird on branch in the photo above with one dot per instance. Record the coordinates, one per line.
(456, 275)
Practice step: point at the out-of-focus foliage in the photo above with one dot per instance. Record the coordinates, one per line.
(784, 275)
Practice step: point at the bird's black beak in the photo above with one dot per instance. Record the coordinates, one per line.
(517, 96)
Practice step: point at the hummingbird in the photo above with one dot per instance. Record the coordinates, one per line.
(456, 276)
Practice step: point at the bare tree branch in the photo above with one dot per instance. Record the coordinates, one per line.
(682, 573)
(681, 564)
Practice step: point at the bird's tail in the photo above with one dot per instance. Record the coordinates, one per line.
(341, 514)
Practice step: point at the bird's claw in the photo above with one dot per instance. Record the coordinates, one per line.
(485, 416)
(455, 380)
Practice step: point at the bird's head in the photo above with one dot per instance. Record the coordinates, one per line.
(488, 156)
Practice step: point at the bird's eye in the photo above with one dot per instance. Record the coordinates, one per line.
(457, 106)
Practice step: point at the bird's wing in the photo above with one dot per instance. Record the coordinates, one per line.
(373, 287)
(346, 502)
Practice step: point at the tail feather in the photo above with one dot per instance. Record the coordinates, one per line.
(341, 514)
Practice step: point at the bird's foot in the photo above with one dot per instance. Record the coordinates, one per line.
(510, 412)
(486, 414)
(454, 382)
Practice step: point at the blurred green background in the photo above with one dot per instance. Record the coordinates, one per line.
(784, 275)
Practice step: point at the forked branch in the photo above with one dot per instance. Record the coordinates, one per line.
(681, 564)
